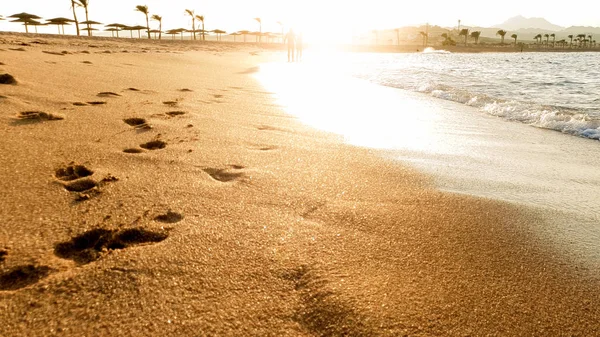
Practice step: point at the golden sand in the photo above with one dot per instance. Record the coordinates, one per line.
(173, 198)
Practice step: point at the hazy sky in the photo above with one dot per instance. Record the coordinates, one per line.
(312, 15)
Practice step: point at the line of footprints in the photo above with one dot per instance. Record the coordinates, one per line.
(93, 244)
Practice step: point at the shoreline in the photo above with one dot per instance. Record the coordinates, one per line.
(272, 227)
(277, 47)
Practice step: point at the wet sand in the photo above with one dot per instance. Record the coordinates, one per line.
(161, 191)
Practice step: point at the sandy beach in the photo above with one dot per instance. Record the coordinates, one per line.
(155, 188)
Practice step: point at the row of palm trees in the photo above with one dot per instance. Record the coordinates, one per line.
(32, 20)
(581, 40)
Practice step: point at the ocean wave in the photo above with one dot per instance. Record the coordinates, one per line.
(562, 119)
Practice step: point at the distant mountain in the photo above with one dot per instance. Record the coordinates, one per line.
(582, 30)
(520, 22)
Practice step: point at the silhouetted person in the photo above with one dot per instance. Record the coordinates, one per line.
(299, 47)
(290, 37)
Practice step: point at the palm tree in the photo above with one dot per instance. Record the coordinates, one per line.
(590, 39)
(85, 4)
(260, 26)
(501, 32)
(464, 32)
(581, 38)
(158, 18)
(73, 5)
(539, 36)
(201, 18)
(144, 10)
(571, 43)
(191, 13)
(514, 36)
(547, 38)
(475, 35)
(553, 36)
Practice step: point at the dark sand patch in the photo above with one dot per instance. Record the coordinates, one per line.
(22, 276)
(225, 174)
(80, 185)
(218, 96)
(133, 150)
(136, 122)
(175, 113)
(38, 116)
(53, 53)
(2, 64)
(88, 246)
(323, 312)
(171, 103)
(17, 49)
(80, 104)
(169, 217)
(96, 103)
(3, 254)
(7, 79)
(133, 89)
(86, 62)
(108, 94)
(85, 52)
(154, 145)
(186, 90)
(72, 172)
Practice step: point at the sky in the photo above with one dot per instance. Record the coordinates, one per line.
(310, 16)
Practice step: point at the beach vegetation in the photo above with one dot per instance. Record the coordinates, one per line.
(464, 32)
(73, 5)
(502, 33)
(475, 36)
(193, 15)
(158, 18)
(201, 19)
(144, 10)
(515, 36)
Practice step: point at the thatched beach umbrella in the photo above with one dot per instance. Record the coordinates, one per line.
(235, 35)
(155, 31)
(172, 32)
(219, 32)
(60, 22)
(193, 31)
(25, 18)
(139, 29)
(89, 29)
(112, 31)
(244, 33)
(117, 26)
(177, 31)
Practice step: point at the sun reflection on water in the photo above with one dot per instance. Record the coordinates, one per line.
(321, 94)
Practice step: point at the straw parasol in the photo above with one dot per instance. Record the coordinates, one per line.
(117, 26)
(235, 35)
(244, 33)
(59, 22)
(219, 32)
(155, 31)
(27, 19)
(89, 29)
(139, 29)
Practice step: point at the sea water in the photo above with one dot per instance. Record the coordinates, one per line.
(522, 128)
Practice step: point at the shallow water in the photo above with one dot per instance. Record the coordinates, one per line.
(467, 151)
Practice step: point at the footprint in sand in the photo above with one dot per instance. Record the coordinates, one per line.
(133, 150)
(88, 246)
(7, 79)
(137, 123)
(23, 276)
(77, 178)
(175, 113)
(108, 94)
(3, 253)
(218, 96)
(169, 217)
(37, 116)
(17, 49)
(96, 103)
(186, 90)
(133, 89)
(80, 104)
(170, 103)
(225, 174)
(53, 53)
(154, 145)
(86, 62)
